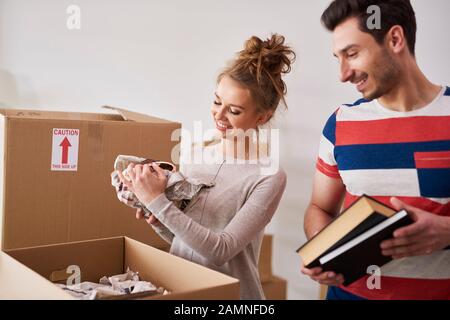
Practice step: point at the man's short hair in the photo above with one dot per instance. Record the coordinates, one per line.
(393, 12)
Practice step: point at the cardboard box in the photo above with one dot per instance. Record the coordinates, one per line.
(275, 288)
(23, 272)
(19, 282)
(265, 258)
(56, 169)
(323, 292)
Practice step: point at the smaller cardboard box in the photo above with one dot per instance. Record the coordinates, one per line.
(24, 272)
(275, 288)
(323, 290)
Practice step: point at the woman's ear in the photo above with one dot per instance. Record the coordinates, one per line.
(264, 118)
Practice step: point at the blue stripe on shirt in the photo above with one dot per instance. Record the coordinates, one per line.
(330, 129)
(357, 103)
(384, 156)
(434, 183)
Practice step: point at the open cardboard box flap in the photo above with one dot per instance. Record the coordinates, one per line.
(20, 282)
(121, 114)
(111, 256)
(134, 116)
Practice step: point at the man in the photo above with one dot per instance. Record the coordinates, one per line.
(393, 145)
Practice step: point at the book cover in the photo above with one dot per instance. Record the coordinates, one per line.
(351, 242)
(362, 215)
(353, 258)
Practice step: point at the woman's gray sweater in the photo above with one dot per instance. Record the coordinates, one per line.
(223, 227)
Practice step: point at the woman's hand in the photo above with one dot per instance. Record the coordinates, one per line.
(145, 183)
(150, 220)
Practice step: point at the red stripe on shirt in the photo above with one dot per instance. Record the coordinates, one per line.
(418, 202)
(394, 288)
(432, 160)
(393, 130)
(328, 170)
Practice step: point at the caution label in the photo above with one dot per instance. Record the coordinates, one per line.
(65, 149)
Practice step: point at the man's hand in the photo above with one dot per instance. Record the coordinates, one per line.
(327, 278)
(429, 233)
(147, 184)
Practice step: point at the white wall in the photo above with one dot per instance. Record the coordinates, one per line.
(162, 58)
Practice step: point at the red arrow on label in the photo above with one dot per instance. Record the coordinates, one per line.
(65, 144)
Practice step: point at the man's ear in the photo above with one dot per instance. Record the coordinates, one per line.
(396, 40)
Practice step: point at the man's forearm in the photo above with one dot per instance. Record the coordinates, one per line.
(315, 220)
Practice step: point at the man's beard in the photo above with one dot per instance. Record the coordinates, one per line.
(385, 76)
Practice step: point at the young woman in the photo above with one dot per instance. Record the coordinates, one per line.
(223, 228)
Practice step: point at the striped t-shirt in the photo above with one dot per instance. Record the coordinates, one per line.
(384, 153)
